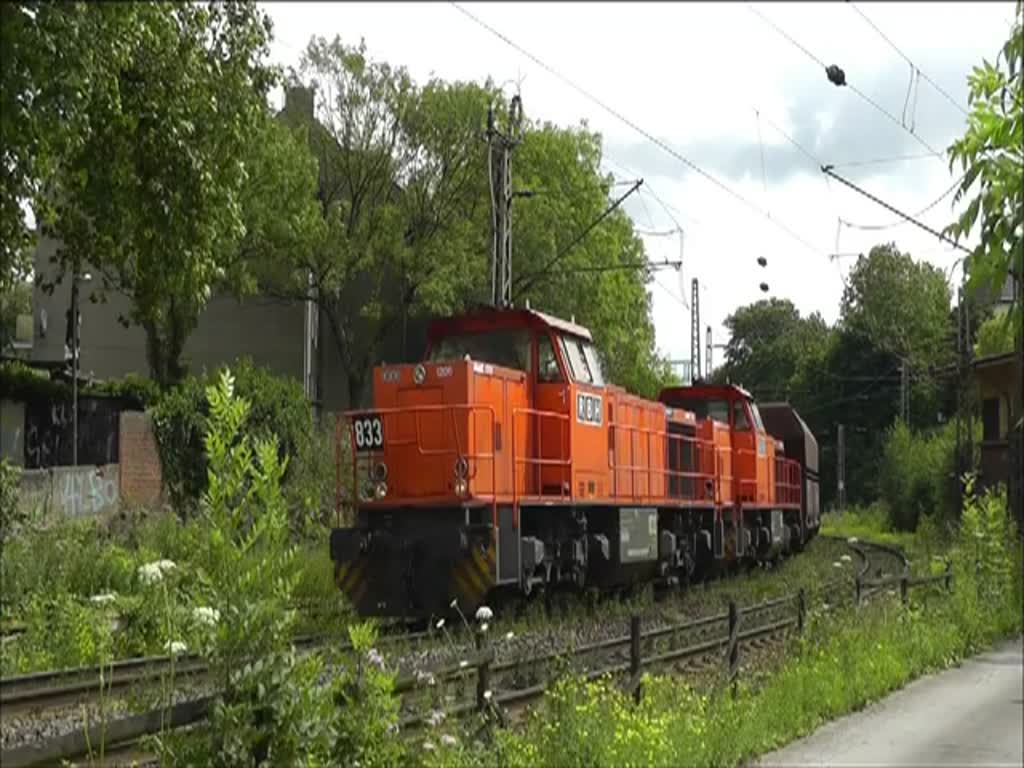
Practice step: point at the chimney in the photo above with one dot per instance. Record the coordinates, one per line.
(300, 101)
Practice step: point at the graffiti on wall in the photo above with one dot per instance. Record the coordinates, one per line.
(49, 432)
(81, 491)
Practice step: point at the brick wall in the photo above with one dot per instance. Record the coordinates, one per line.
(141, 476)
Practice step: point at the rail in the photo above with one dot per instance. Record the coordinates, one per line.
(483, 664)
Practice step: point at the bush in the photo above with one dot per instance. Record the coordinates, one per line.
(918, 475)
(278, 406)
(10, 475)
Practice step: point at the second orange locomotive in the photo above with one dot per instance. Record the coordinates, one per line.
(505, 461)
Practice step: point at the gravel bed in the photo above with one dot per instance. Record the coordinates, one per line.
(31, 726)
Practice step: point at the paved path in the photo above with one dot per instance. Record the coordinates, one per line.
(972, 715)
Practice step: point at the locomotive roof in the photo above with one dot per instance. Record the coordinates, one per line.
(490, 318)
(705, 390)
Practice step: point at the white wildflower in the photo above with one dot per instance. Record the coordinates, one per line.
(448, 740)
(846, 558)
(852, 540)
(106, 597)
(463, 664)
(206, 615)
(174, 647)
(428, 746)
(152, 573)
(837, 565)
(436, 717)
(483, 627)
(510, 635)
(440, 623)
(425, 678)
(454, 603)
(488, 695)
(374, 657)
(483, 613)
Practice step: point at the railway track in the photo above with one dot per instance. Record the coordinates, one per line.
(514, 680)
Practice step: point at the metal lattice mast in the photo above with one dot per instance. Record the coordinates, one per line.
(499, 160)
(694, 330)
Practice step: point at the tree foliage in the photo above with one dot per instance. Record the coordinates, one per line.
(405, 203)
(153, 191)
(60, 61)
(768, 341)
(991, 154)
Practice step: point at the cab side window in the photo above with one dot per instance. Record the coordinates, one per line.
(739, 417)
(547, 363)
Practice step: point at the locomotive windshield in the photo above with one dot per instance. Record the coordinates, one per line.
(509, 348)
(582, 359)
(704, 408)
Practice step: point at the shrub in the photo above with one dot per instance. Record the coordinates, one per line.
(269, 709)
(917, 477)
(10, 517)
(278, 407)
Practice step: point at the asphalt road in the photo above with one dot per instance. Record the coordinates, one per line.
(969, 716)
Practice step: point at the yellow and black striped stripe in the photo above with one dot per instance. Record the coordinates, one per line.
(350, 579)
(473, 575)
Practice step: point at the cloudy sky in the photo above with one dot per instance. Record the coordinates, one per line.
(728, 97)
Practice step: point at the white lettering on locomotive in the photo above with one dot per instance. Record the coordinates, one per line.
(368, 432)
(588, 409)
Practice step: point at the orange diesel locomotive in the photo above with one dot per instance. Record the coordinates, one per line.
(505, 461)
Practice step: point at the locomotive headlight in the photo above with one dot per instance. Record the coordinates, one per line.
(419, 374)
(379, 473)
(461, 487)
(381, 490)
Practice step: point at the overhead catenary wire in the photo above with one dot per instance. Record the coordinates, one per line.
(882, 160)
(828, 170)
(917, 69)
(633, 125)
(902, 221)
(854, 89)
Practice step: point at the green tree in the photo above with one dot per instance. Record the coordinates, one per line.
(991, 154)
(768, 341)
(151, 194)
(15, 299)
(59, 61)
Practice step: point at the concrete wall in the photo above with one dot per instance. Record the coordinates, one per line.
(71, 491)
(269, 331)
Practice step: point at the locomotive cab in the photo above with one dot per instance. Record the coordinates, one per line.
(451, 447)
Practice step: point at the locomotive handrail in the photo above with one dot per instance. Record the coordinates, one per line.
(695, 444)
(565, 463)
(417, 411)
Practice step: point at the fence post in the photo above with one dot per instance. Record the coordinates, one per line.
(734, 645)
(903, 589)
(634, 655)
(801, 610)
(483, 674)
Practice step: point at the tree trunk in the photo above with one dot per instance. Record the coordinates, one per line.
(165, 343)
